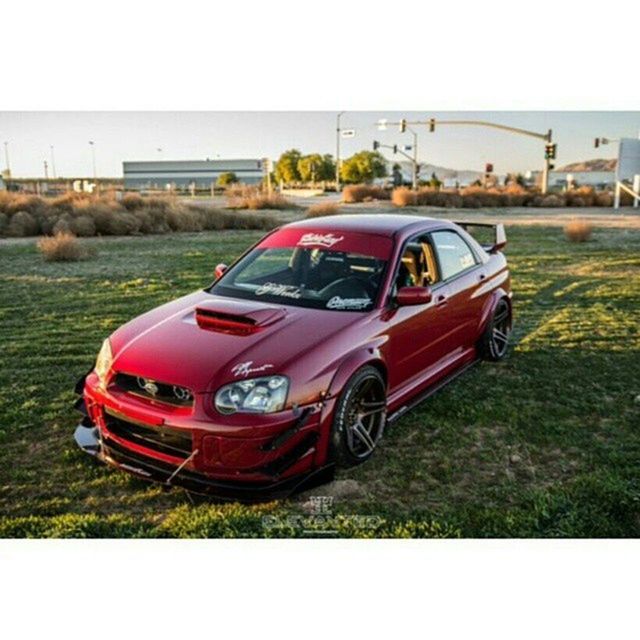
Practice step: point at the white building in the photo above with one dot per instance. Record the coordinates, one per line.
(183, 174)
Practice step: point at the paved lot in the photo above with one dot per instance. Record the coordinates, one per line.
(624, 218)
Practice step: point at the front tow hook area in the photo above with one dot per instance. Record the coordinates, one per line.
(88, 439)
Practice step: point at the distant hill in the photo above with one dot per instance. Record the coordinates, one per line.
(464, 176)
(599, 164)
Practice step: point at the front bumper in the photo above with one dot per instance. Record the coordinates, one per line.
(274, 467)
(88, 439)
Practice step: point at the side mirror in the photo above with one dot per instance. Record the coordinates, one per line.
(220, 269)
(411, 296)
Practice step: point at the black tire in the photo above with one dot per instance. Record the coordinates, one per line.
(359, 418)
(494, 343)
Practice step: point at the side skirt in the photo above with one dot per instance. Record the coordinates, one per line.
(427, 393)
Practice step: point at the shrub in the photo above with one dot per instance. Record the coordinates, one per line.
(85, 215)
(185, 220)
(404, 197)
(581, 197)
(603, 199)
(83, 226)
(246, 197)
(323, 209)
(22, 224)
(552, 200)
(63, 247)
(62, 225)
(480, 197)
(363, 192)
(578, 231)
(132, 201)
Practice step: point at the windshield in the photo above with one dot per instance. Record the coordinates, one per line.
(340, 272)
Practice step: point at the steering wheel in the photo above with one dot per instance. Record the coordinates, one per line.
(350, 287)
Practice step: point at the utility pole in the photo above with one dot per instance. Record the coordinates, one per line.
(415, 157)
(53, 163)
(403, 127)
(6, 156)
(338, 151)
(93, 158)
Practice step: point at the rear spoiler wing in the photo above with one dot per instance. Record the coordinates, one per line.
(500, 237)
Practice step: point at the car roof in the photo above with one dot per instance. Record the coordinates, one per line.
(385, 224)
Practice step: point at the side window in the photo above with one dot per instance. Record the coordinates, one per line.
(453, 252)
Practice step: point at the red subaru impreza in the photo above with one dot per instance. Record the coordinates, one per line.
(297, 356)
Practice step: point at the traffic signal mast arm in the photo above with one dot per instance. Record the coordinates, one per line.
(432, 122)
(377, 145)
(550, 147)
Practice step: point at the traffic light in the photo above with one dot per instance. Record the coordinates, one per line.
(550, 151)
(432, 125)
(376, 145)
(596, 143)
(417, 170)
(403, 125)
(395, 148)
(488, 168)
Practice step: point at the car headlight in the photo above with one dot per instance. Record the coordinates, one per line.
(103, 362)
(256, 395)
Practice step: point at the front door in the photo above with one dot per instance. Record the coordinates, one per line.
(418, 335)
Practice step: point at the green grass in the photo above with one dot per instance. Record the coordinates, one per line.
(546, 443)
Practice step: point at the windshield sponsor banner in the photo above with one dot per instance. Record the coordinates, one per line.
(282, 290)
(319, 239)
(364, 244)
(344, 304)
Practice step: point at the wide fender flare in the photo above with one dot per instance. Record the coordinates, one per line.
(365, 355)
(490, 305)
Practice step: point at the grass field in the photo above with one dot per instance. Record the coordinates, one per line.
(546, 443)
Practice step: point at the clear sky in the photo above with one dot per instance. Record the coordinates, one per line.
(121, 135)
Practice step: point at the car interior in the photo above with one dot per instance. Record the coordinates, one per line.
(314, 274)
(418, 267)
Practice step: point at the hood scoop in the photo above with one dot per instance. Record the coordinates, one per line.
(244, 321)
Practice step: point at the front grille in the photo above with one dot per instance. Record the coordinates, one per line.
(171, 442)
(154, 390)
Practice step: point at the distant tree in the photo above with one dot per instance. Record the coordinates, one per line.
(363, 167)
(286, 169)
(226, 179)
(310, 167)
(435, 183)
(328, 167)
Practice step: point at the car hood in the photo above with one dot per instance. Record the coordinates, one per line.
(202, 340)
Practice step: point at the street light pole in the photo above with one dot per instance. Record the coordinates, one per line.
(53, 163)
(93, 158)
(6, 156)
(338, 151)
(415, 157)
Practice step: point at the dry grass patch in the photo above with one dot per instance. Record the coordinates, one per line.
(62, 247)
(323, 209)
(84, 215)
(578, 231)
(246, 197)
(404, 197)
(364, 193)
